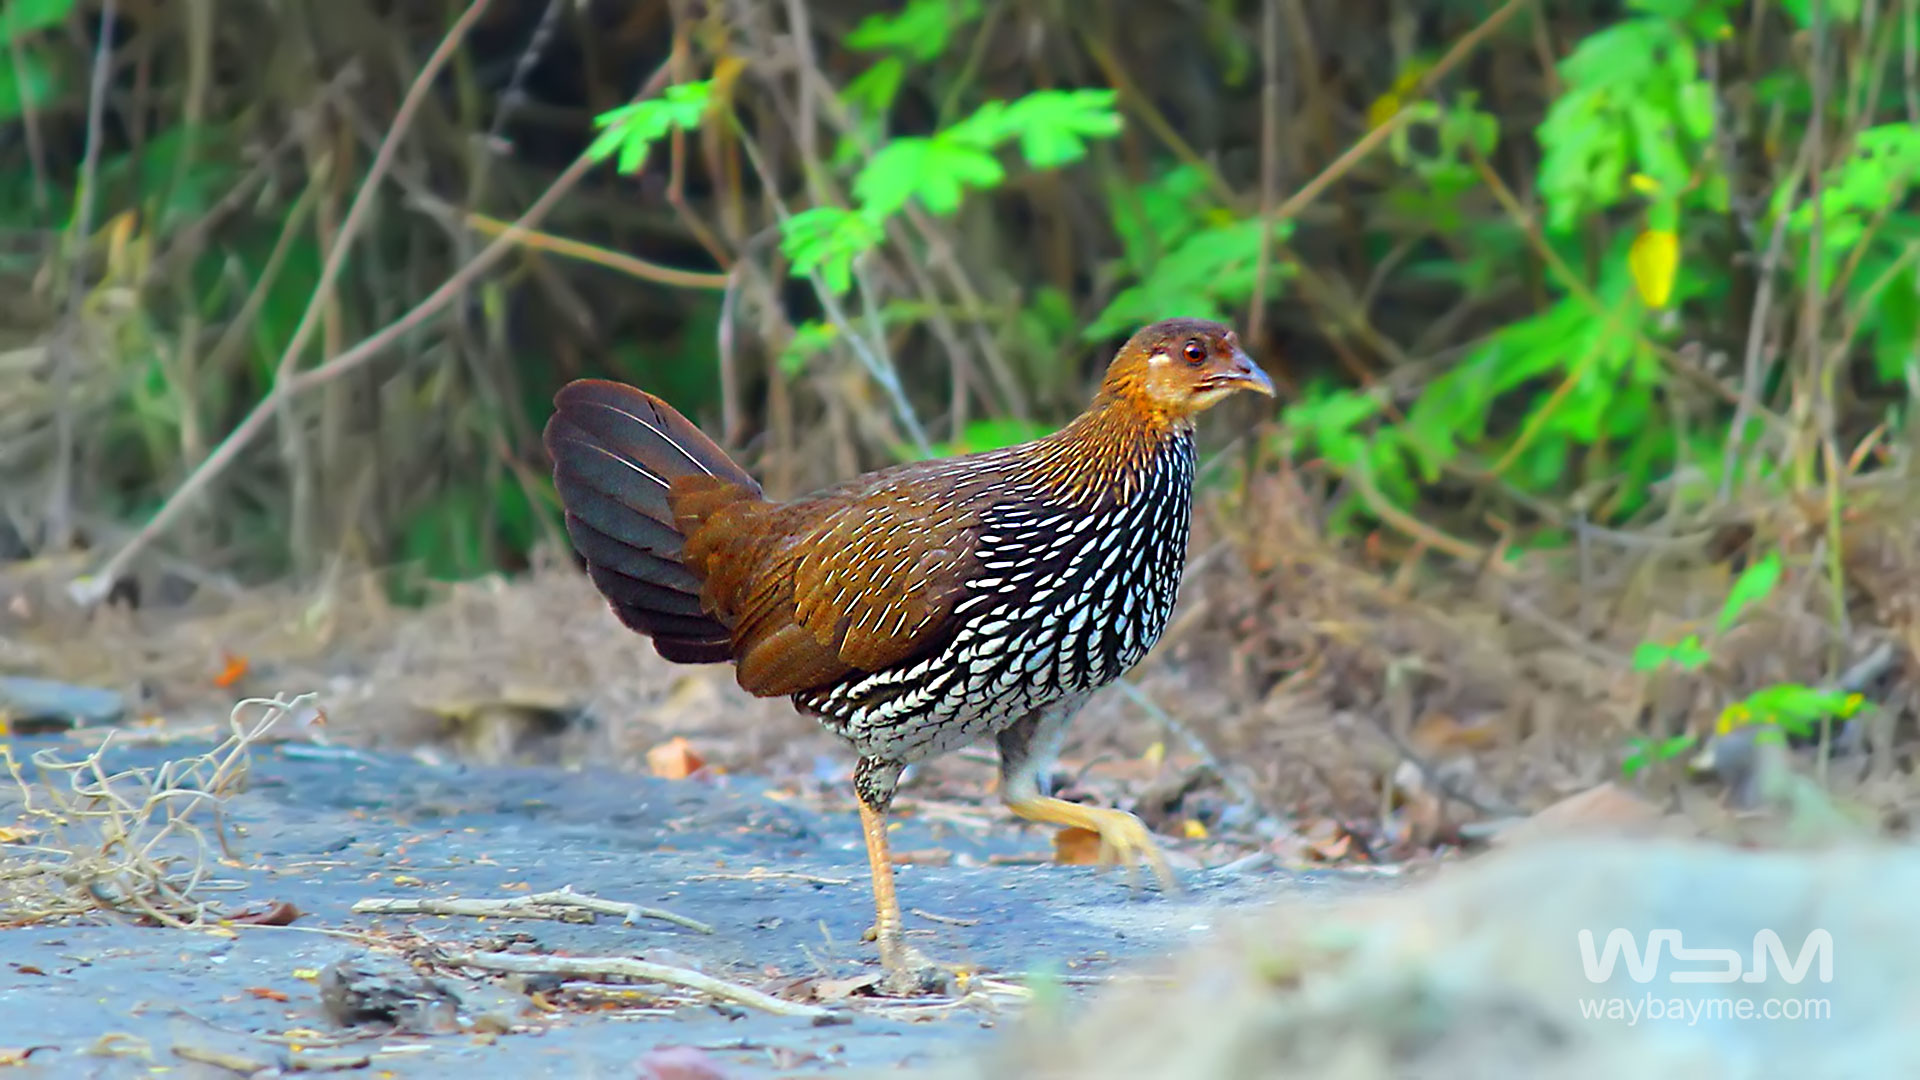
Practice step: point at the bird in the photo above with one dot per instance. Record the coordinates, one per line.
(923, 606)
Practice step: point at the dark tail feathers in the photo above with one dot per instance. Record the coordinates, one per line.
(615, 451)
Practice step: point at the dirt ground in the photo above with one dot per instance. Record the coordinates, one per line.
(1332, 735)
(320, 828)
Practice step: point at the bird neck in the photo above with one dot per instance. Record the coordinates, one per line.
(1112, 449)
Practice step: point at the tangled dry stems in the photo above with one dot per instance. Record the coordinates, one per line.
(138, 841)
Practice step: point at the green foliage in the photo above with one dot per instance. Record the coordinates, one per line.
(921, 29)
(630, 131)
(29, 83)
(1866, 218)
(1780, 709)
(1187, 256)
(1687, 654)
(827, 239)
(1576, 394)
(1051, 127)
(1643, 751)
(1634, 103)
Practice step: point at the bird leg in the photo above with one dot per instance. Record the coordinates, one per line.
(1028, 749)
(886, 903)
(908, 972)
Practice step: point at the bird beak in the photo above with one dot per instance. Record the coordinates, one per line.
(1246, 375)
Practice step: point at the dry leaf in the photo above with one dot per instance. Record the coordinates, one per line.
(1439, 733)
(674, 759)
(841, 989)
(1074, 846)
(13, 834)
(266, 993)
(1327, 840)
(279, 913)
(1606, 808)
(18, 1055)
(234, 670)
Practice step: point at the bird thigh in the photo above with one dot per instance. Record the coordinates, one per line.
(1029, 747)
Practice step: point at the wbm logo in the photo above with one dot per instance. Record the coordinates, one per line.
(1642, 964)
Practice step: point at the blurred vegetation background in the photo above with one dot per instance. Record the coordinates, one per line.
(1529, 273)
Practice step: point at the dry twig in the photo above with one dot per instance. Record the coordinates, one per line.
(560, 905)
(631, 968)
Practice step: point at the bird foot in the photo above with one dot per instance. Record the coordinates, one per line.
(909, 973)
(1124, 839)
(917, 977)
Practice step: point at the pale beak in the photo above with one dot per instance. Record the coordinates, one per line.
(1246, 375)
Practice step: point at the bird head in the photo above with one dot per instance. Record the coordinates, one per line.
(1179, 368)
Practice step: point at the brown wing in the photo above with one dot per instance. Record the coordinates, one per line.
(818, 590)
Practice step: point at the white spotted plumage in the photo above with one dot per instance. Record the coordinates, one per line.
(1078, 582)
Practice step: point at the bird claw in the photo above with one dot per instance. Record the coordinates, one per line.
(909, 973)
(1126, 840)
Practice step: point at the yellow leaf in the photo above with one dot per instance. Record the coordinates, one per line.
(1653, 261)
(1389, 104)
(1156, 754)
(1194, 829)
(13, 834)
(1382, 109)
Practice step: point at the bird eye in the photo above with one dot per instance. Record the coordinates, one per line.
(1195, 351)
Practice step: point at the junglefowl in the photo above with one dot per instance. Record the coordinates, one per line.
(922, 607)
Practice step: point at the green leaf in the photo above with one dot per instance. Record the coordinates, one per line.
(1054, 125)
(1690, 654)
(826, 239)
(1639, 756)
(1329, 419)
(937, 171)
(920, 30)
(1675, 745)
(810, 339)
(18, 18)
(1754, 585)
(631, 130)
(1157, 215)
(1651, 656)
(1210, 268)
(34, 75)
(1837, 11)
(874, 89)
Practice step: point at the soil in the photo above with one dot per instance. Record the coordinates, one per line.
(321, 827)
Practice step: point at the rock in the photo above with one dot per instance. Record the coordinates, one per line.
(375, 988)
(1479, 972)
(32, 706)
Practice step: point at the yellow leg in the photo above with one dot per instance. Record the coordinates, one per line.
(1123, 837)
(886, 905)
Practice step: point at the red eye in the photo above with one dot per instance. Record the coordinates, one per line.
(1195, 351)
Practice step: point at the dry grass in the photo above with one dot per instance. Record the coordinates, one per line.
(143, 842)
(1380, 682)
